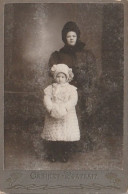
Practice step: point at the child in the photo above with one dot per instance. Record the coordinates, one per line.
(61, 123)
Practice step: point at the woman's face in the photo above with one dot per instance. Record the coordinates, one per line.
(61, 78)
(71, 38)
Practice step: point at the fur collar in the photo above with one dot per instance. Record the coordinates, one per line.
(73, 49)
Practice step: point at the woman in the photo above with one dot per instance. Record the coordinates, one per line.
(82, 61)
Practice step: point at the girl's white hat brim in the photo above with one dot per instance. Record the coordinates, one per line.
(62, 68)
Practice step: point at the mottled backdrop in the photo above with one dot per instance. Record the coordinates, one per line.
(32, 33)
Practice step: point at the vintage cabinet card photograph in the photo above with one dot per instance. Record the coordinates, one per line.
(64, 96)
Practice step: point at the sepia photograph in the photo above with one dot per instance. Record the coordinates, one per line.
(63, 86)
(63, 96)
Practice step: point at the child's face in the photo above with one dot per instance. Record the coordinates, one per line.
(61, 78)
(71, 38)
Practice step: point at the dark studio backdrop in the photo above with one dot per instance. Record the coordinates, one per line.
(32, 33)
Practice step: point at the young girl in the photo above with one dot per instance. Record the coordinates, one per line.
(61, 123)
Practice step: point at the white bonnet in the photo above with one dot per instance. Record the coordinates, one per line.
(62, 68)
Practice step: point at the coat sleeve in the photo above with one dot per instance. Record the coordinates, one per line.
(53, 58)
(92, 72)
(91, 91)
(73, 98)
(48, 98)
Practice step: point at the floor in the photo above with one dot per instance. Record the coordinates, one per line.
(19, 155)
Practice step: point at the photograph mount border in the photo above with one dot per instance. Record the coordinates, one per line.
(29, 181)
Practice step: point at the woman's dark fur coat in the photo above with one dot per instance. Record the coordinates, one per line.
(83, 64)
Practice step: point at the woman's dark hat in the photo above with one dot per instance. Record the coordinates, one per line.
(70, 26)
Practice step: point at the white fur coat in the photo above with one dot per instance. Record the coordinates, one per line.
(61, 123)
